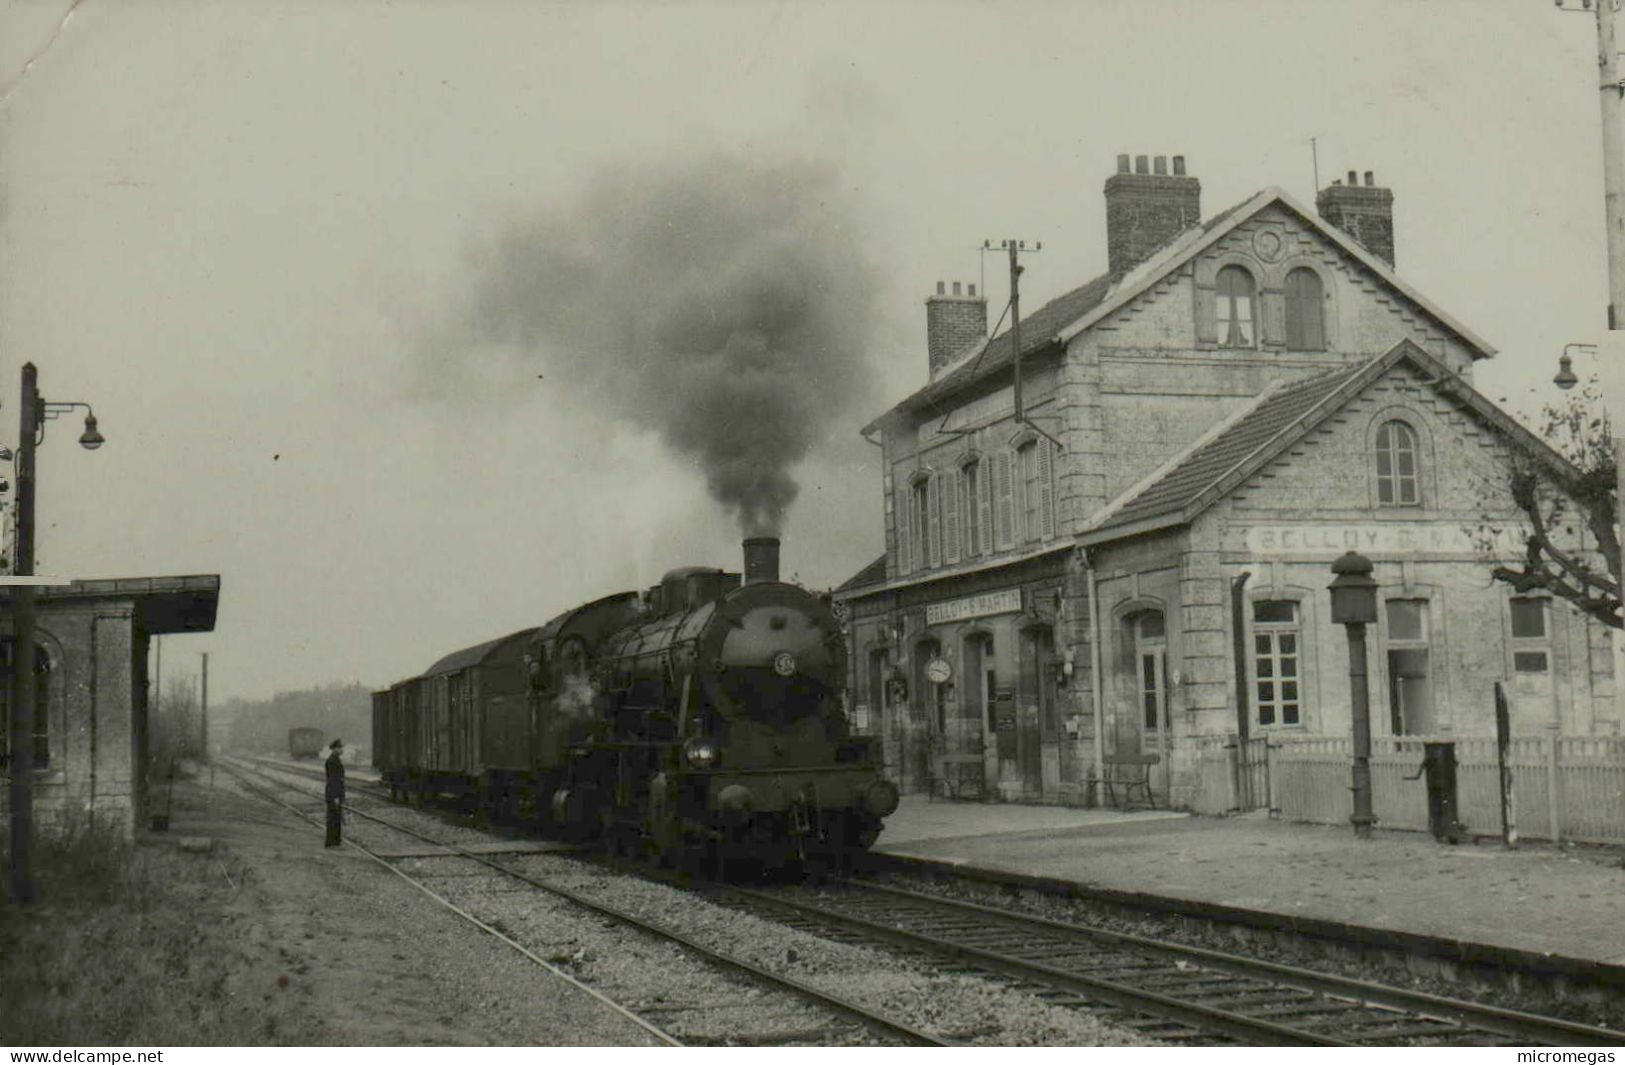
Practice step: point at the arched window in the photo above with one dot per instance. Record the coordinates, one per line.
(1398, 481)
(1305, 311)
(1233, 311)
(42, 702)
(1151, 667)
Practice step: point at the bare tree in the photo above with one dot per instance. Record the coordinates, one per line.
(177, 721)
(1566, 503)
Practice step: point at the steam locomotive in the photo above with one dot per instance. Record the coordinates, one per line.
(700, 722)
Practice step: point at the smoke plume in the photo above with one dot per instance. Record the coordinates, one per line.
(723, 306)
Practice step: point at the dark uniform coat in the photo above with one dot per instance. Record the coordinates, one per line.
(335, 798)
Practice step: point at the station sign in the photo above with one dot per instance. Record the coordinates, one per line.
(1004, 601)
(1327, 540)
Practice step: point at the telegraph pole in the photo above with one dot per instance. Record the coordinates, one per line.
(1613, 162)
(22, 656)
(1014, 247)
(205, 707)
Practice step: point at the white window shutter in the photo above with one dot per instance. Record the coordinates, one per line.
(950, 516)
(1004, 500)
(902, 502)
(1021, 486)
(933, 520)
(1046, 490)
(984, 503)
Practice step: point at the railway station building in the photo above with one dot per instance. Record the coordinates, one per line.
(1135, 575)
(91, 729)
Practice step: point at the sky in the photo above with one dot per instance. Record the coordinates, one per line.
(334, 274)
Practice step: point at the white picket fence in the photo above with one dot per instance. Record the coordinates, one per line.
(1563, 787)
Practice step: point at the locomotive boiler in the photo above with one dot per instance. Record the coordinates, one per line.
(700, 722)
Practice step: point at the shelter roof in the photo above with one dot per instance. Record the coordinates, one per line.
(162, 604)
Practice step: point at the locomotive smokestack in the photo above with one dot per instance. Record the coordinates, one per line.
(761, 559)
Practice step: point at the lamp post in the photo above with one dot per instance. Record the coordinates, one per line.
(35, 412)
(1354, 604)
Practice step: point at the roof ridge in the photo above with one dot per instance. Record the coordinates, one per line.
(1217, 429)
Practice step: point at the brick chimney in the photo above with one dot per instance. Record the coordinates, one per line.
(1364, 212)
(1147, 208)
(953, 323)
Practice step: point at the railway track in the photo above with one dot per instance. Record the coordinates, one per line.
(1164, 990)
(836, 1022)
(1169, 991)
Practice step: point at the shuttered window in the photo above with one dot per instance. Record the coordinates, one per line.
(970, 507)
(950, 516)
(1046, 490)
(1004, 516)
(1305, 311)
(984, 505)
(919, 519)
(1027, 491)
(1233, 307)
(933, 520)
(900, 507)
(1035, 499)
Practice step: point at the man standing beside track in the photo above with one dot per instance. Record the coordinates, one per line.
(335, 792)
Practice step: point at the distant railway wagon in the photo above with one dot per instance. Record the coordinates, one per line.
(703, 717)
(305, 742)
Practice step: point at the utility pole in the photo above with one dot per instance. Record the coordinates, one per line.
(22, 656)
(1014, 247)
(1611, 91)
(1015, 325)
(1613, 163)
(32, 417)
(205, 706)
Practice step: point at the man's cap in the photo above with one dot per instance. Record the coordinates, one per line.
(335, 744)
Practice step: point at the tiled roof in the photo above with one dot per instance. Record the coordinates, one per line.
(873, 573)
(1040, 328)
(1207, 464)
(1037, 331)
(1046, 325)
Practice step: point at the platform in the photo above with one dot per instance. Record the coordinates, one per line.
(1400, 886)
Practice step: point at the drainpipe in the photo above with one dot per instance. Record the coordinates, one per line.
(1238, 646)
(1095, 680)
(1238, 642)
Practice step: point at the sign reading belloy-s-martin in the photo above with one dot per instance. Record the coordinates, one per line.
(1326, 540)
(1004, 601)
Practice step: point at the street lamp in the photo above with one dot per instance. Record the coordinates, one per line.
(35, 412)
(1566, 378)
(1354, 604)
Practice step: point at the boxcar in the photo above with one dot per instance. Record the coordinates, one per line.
(305, 742)
(448, 730)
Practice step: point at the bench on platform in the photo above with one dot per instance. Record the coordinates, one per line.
(959, 776)
(1130, 773)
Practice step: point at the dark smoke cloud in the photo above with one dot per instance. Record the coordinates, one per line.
(724, 306)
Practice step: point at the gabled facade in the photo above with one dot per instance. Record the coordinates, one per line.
(1059, 591)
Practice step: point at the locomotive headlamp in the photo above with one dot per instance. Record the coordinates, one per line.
(700, 753)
